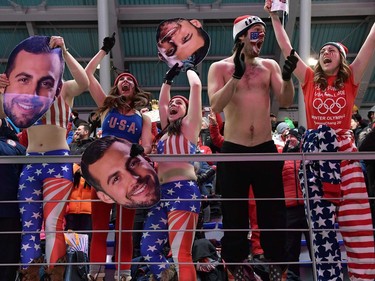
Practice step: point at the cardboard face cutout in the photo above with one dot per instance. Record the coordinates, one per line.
(34, 72)
(120, 173)
(180, 39)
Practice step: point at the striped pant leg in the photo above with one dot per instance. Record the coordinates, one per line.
(354, 217)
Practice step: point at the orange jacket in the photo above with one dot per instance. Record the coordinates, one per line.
(82, 191)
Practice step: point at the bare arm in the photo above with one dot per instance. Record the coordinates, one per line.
(284, 42)
(164, 97)
(284, 90)
(364, 56)
(146, 137)
(219, 92)
(79, 84)
(193, 119)
(96, 90)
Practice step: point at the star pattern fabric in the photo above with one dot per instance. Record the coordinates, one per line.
(180, 200)
(322, 212)
(344, 179)
(44, 181)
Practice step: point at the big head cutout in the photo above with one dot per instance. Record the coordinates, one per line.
(35, 74)
(120, 173)
(180, 39)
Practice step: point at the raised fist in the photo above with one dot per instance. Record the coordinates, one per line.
(108, 43)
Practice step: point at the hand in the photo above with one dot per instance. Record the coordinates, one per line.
(267, 6)
(108, 43)
(57, 42)
(189, 65)
(289, 66)
(172, 73)
(4, 82)
(239, 63)
(212, 117)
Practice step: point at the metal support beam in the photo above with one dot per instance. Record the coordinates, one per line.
(105, 75)
(117, 51)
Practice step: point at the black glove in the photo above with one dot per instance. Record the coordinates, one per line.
(239, 63)
(189, 65)
(289, 66)
(172, 73)
(108, 43)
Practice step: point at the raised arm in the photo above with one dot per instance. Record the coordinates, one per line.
(284, 42)
(360, 63)
(96, 90)
(220, 89)
(80, 82)
(165, 94)
(193, 119)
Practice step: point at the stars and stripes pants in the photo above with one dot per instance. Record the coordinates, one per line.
(352, 213)
(172, 220)
(50, 182)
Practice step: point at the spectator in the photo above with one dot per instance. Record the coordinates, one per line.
(75, 119)
(296, 219)
(120, 116)
(81, 139)
(78, 214)
(245, 100)
(47, 136)
(10, 243)
(181, 121)
(368, 144)
(338, 187)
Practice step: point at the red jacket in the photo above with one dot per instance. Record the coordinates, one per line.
(216, 138)
(292, 186)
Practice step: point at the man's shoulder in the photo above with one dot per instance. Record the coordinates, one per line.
(266, 61)
(222, 64)
(224, 61)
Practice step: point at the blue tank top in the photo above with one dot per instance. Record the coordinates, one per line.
(127, 127)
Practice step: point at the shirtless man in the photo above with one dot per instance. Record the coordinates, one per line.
(240, 86)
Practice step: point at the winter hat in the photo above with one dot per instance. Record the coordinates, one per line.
(342, 48)
(126, 74)
(296, 134)
(186, 101)
(243, 23)
(281, 127)
(289, 122)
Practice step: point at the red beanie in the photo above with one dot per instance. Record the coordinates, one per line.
(126, 74)
(186, 101)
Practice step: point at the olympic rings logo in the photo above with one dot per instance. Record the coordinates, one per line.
(329, 105)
